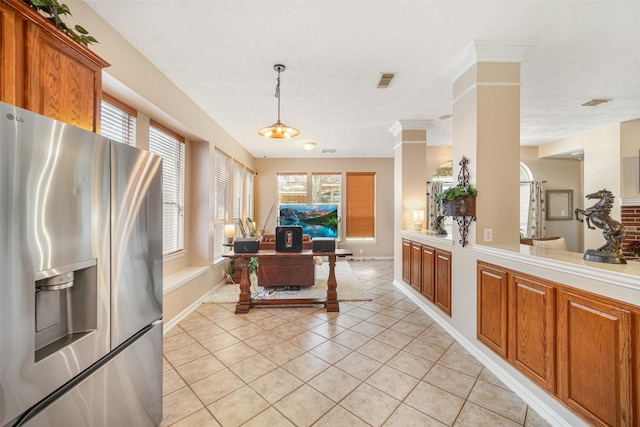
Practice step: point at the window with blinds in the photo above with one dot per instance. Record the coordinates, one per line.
(117, 120)
(222, 167)
(325, 188)
(360, 205)
(171, 148)
(248, 192)
(237, 201)
(292, 188)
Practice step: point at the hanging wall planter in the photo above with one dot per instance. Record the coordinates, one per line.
(462, 206)
(460, 202)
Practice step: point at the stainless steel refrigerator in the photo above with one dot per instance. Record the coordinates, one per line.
(80, 277)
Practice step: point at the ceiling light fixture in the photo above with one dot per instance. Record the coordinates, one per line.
(279, 130)
(309, 145)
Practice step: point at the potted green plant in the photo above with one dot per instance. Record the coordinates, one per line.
(459, 200)
(52, 10)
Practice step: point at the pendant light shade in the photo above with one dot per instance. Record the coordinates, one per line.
(279, 130)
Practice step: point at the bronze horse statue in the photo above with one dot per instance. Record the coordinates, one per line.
(598, 215)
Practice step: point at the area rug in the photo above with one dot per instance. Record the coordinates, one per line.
(350, 287)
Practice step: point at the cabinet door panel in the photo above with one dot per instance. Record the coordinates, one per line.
(428, 273)
(406, 261)
(594, 365)
(443, 281)
(492, 308)
(46, 71)
(416, 266)
(531, 330)
(60, 87)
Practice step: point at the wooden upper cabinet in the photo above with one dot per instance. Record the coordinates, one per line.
(532, 328)
(443, 281)
(492, 307)
(428, 287)
(45, 71)
(594, 359)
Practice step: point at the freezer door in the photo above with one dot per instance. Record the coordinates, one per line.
(136, 248)
(54, 256)
(125, 392)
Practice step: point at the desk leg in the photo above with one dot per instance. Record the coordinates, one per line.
(244, 302)
(332, 286)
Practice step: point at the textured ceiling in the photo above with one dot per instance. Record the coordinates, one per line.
(221, 54)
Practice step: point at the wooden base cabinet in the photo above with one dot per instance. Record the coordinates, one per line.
(428, 271)
(581, 347)
(406, 261)
(428, 287)
(443, 281)
(45, 71)
(492, 308)
(594, 361)
(416, 266)
(532, 328)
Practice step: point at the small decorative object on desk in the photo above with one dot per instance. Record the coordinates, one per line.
(243, 232)
(229, 232)
(612, 230)
(460, 202)
(439, 231)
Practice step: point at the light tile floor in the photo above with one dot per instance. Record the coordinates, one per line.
(378, 363)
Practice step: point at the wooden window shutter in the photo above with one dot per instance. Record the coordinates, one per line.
(361, 205)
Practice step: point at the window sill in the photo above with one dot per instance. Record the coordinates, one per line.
(173, 281)
(173, 255)
(359, 242)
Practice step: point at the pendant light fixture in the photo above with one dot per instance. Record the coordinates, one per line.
(279, 130)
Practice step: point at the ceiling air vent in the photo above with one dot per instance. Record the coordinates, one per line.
(596, 101)
(385, 80)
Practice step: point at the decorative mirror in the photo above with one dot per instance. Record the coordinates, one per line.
(559, 204)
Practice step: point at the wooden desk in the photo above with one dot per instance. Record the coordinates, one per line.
(245, 303)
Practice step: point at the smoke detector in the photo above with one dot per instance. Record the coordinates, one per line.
(328, 150)
(596, 101)
(385, 80)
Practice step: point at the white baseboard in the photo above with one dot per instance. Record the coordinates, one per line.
(517, 387)
(369, 258)
(187, 311)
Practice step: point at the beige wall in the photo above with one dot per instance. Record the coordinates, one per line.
(414, 182)
(602, 169)
(630, 164)
(266, 192)
(560, 174)
(135, 81)
(435, 157)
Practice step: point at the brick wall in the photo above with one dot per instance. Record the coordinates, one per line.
(631, 221)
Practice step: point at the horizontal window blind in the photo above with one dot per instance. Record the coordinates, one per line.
(171, 148)
(117, 120)
(360, 201)
(222, 165)
(292, 188)
(325, 188)
(248, 192)
(236, 212)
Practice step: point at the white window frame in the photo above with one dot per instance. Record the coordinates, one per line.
(222, 197)
(171, 148)
(526, 177)
(117, 120)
